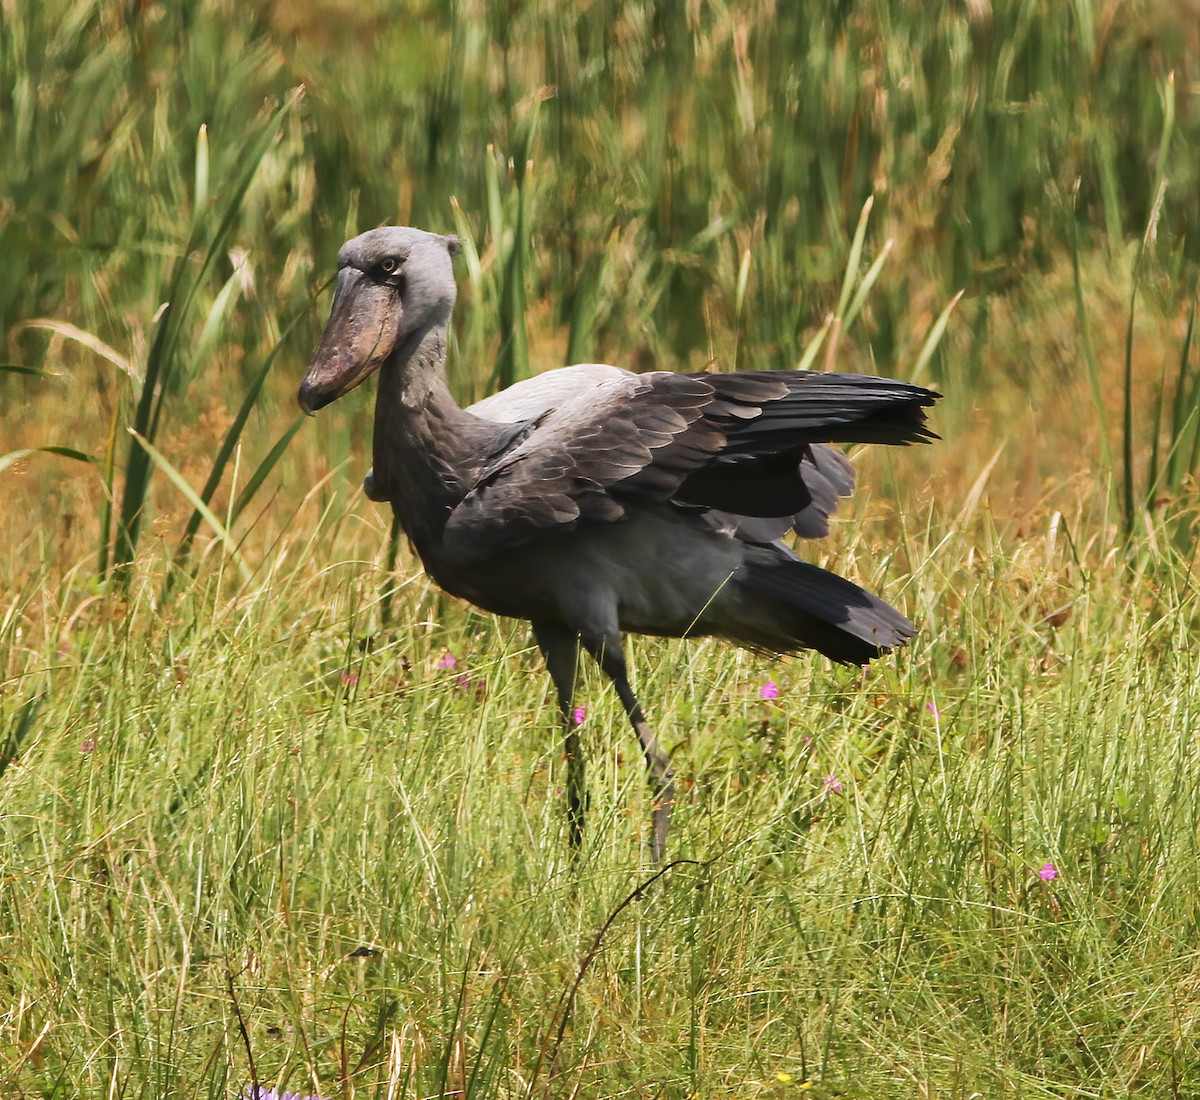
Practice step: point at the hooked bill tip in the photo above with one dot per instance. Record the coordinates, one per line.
(311, 399)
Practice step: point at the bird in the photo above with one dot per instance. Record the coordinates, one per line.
(593, 501)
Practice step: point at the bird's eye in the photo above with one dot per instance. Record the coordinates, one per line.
(387, 266)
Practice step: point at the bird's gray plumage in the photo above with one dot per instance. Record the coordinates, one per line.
(594, 501)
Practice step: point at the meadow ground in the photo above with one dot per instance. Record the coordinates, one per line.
(272, 808)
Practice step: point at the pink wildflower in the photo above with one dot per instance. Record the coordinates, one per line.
(349, 679)
(769, 690)
(833, 783)
(580, 715)
(257, 1092)
(463, 681)
(86, 746)
(447, 661)
(931, 706)
(1049, 872)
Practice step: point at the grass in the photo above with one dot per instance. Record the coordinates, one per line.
(242, 814)
(250, 827)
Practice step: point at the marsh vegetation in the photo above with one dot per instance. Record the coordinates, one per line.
(273, 808)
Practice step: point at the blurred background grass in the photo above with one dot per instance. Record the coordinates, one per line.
(666, 185)
(230, 798)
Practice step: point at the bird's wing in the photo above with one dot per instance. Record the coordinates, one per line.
(828, 477)
(825, 471)
(534, 397)
(736, 442)
(628, 436)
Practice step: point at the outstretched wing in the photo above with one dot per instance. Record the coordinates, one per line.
(733, 442)
(825, 471)
(637, 435)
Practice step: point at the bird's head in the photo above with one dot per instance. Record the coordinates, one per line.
(391, 283)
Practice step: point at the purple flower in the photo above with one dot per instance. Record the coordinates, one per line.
(579, 715)
(931, 706)
(1049, 872)
(463, 681)
(447, 661)
(769, 690)
(833, 783)
(86, 745)
(257, 1092)
(349, 679)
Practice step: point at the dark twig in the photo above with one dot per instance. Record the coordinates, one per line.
(237, 1011)
(567, 1001)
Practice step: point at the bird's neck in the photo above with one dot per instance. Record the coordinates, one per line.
(414, 378)
(427, 450)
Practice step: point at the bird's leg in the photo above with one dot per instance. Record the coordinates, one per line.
(560, 648)
(610, 656)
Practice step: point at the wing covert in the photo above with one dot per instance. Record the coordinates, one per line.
(631, 436)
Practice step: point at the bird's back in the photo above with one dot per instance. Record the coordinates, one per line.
(533, 397)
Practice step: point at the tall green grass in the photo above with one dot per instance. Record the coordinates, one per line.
(647, 183)
(240, 816)
(676, 131)
(250, 827)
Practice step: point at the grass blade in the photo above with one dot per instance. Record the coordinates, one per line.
(85, 339)
(1129, 493)
(10, 749)
(193, 498)
(936, 332)
(200, 183)
(264, 468)
(228, 446)
(1085, 336)
(163, 361)
(864, 288)
(813, 347)
(67, 452)
(854, 259)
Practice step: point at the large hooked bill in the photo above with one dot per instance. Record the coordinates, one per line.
(362, 331)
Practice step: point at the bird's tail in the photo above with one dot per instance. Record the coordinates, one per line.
(788, 605)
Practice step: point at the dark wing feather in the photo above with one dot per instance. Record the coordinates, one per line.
(772, 422)
(743, 443)
(628, 437)
(827, 476)
(777, 409)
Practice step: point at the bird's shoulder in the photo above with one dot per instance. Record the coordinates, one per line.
(533, 397)
(600, 425)
(585, 440)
